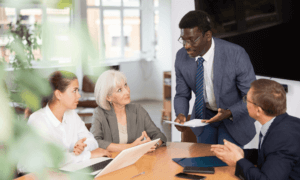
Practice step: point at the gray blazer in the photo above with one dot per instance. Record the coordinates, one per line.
(232, 75)
(105, 125)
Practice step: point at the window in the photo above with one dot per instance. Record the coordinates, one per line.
(59, 45)
(115, 27)
(37, 13)
(7, 15)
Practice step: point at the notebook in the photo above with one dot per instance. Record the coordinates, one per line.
(208, 161)
(126, 158)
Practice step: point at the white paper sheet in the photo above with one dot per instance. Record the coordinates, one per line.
(191, 123)
(77, 166)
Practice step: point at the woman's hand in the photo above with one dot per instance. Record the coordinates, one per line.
(79, 146)
(140, 140)
(153, 148)
(99, 152)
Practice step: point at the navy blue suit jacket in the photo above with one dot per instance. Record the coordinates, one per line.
(232, 75)
(279, 157)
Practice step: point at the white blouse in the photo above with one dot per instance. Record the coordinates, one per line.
(65, 134)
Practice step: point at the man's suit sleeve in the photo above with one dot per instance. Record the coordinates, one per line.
(279, 161)
(244, 77)
(183, 91)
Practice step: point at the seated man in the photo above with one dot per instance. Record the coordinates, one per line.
(278, 153)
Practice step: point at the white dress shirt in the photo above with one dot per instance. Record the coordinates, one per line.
(208, 85)
(65, 134)
(264, 129)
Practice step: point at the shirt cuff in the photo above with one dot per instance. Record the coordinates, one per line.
(86, 155)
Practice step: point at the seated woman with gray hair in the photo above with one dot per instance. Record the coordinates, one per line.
(118, 125)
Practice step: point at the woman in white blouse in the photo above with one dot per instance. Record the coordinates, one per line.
(58, 122)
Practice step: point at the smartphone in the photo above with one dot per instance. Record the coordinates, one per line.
(204, 170)
(190, 176)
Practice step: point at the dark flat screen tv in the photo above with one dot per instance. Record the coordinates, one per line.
(265, 28)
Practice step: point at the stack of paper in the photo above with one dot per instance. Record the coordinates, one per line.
(191, 123)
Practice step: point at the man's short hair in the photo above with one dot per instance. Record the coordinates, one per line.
(270, 96)
(196, 18)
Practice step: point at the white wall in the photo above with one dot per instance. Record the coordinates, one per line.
(145, 78)
(179, 9)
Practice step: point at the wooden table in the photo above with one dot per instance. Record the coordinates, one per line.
(159, 164)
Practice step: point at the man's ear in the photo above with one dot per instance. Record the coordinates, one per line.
(260, 112)
(208, 35)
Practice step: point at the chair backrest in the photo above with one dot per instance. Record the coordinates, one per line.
(188, 135)
(87, 84)
(88, 125)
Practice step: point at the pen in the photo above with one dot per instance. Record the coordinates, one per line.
(138, 174)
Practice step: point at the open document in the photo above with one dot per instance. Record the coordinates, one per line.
(191, 123)
(104, 165)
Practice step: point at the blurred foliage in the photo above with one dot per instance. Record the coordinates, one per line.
(31, 89)
(64, 3)
(22, 41)
(19, 143)
(60, 4)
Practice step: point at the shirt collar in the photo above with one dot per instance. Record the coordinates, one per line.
(209, 53)
(266, 126)
(55, 122)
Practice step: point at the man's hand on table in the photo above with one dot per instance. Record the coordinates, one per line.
(228, 153)
(222, 114)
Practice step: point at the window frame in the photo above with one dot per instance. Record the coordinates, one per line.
(44, 62)
(143, 8)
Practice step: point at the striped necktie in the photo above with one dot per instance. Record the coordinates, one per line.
(260, 137)
(199, 102)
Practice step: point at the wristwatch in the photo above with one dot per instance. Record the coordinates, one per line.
(157, 144)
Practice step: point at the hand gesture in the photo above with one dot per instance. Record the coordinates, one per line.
(222, 114)
(79, 146)
(99, 152)
(140, 140)
(228, 153)
(153, 148)
(180, 119)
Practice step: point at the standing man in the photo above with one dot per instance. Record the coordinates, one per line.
(278, 153)
(219, 73)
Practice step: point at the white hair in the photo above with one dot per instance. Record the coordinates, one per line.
(105, 84)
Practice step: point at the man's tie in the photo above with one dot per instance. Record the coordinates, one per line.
(260, 137)
(199, 102)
